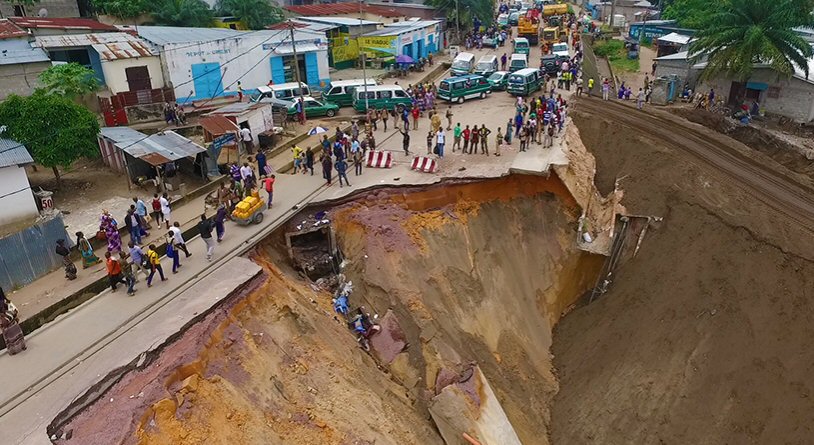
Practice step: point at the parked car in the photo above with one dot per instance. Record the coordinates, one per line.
(499, 80)
(514, 18)
(315, 108)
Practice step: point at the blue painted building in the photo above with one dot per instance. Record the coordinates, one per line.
(201, 63)
(414, 38)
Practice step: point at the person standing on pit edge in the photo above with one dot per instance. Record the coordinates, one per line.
(456, 134)
(441, 139)
(205, 230)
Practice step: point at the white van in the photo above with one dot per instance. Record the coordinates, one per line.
(560, 49)
(463, 64)
(284, 91)
(340, 92)
(486, 65)
(518, 62)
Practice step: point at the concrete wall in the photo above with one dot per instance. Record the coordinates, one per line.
(252, 68)
(17, 201)
(56, 8)
(680, 68)
(795, 97)
(116, 78)
(20, 79)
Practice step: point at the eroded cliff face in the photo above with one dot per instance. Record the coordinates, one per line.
(468, 280)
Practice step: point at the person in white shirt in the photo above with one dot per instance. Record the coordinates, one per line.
(179, 238)
(440, 139)
(165, 208)
(248, 141)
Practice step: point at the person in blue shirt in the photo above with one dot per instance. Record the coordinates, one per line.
(342, 171)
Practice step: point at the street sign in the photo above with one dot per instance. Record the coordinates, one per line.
(220, 141)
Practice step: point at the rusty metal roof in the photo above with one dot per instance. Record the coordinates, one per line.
(8, 30)
(155, 149)
(218, 125)
(61, 23)
(110, 46)
(123, 50)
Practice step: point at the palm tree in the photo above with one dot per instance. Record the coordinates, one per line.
(195, 13)
(743, 33)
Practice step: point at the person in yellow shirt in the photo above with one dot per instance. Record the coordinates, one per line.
(155, 265)
(297, 152)
(590, 85)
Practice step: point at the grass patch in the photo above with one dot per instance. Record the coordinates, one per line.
(616, 53)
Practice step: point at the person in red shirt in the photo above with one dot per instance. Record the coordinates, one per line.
(114, 271)
(268, 184)
(415, 113)
(466, 133)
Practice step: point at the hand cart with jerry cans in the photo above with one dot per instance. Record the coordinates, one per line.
(249, 210)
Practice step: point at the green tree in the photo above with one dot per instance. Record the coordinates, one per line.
(691, 13)
(256, 14)
(55, 130)
(746, 32)
(123, 9)
(465, 11)
(194, 13)
(70, 80)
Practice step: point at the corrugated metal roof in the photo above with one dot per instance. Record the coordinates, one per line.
(395, 29)
(123, 50)
(218, 125)
(163, 35)
(61, 23)
(238, 108)
(156, 149)
(15, 51)
(340, 21)
(13, 153)
(342, 8)
(8, 30)
(80, 40)
(304, 26)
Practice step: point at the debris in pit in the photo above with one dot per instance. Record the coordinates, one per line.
(312, 247)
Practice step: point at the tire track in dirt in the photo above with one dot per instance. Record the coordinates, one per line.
(763, 182)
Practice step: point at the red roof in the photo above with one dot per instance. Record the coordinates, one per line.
(9, 30)
(61, 23)
(342, 8)
(285, 25)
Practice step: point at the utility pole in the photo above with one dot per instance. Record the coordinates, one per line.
(613, 12)
(297, 67)
(363, 56)
(457, 23)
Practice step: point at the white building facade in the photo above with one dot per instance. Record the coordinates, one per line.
(16, 198)
(202, 63)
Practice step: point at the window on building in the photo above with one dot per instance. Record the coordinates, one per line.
(289, 65)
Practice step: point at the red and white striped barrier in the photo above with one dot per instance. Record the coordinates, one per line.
(424, 164)
(379, 159)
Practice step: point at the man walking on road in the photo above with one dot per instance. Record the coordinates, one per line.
(205, 230)
(405, 142)
(268, 184)
(155, 265)
(138, 256)
(114, 272)
(178, 237)
(640, 99)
